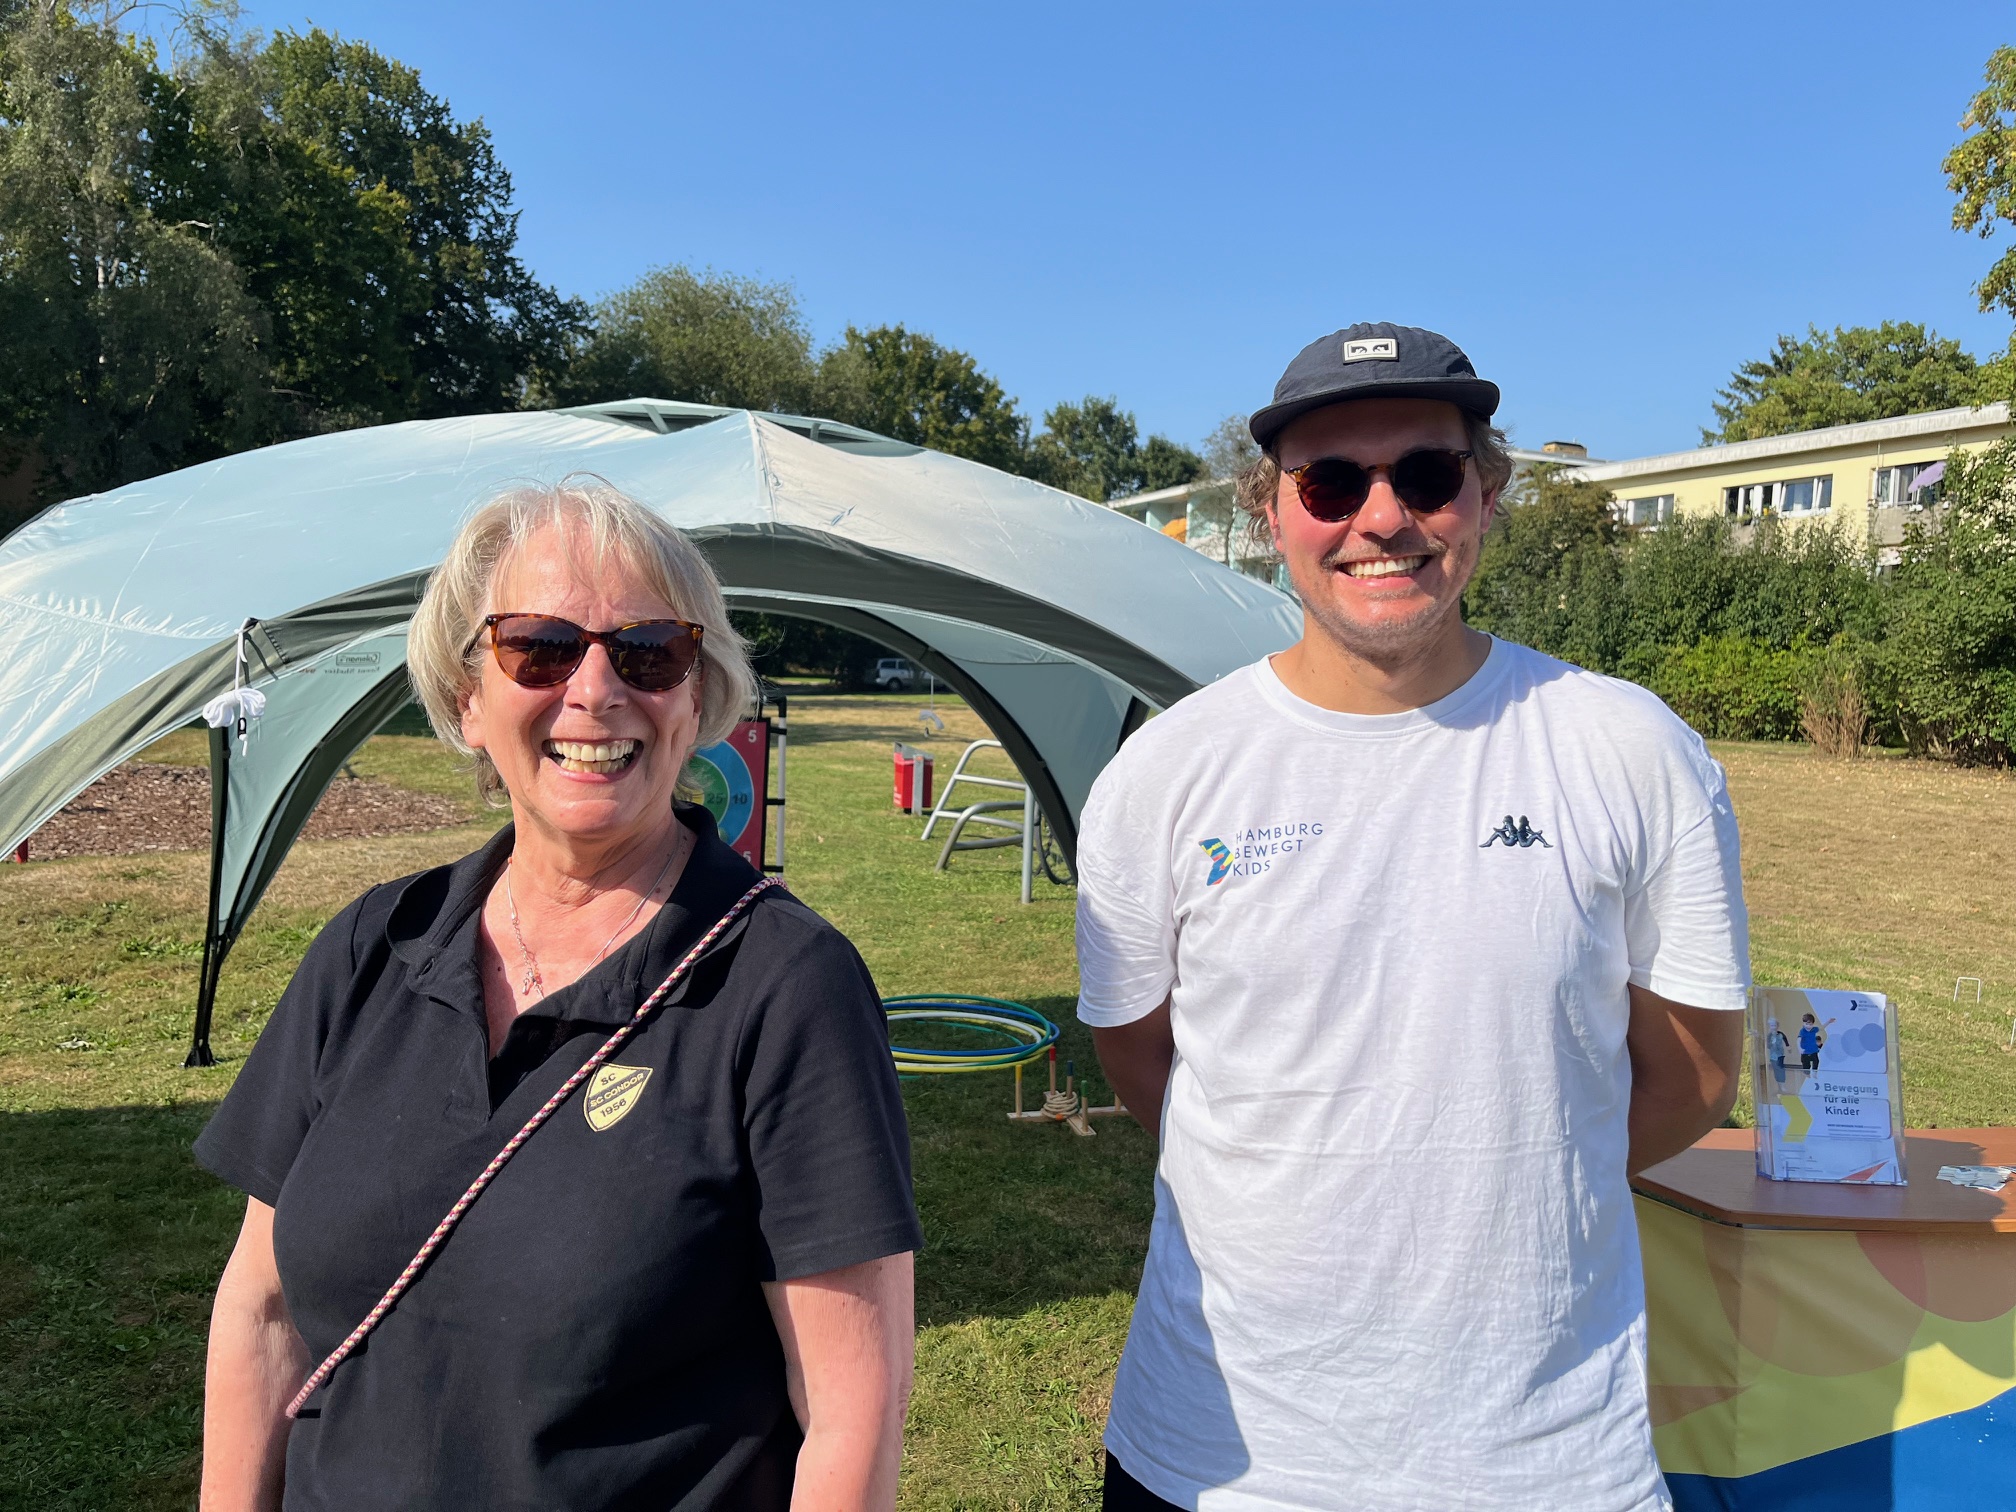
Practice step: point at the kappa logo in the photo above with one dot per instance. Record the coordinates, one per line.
(1372, 349)
(1221, 861)
(612, 1092)
(1522, 835)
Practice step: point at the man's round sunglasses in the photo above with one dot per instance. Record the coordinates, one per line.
(1335, 488)
(543, 650)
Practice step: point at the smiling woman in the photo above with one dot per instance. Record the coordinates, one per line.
(587, 522)
(694, 1293)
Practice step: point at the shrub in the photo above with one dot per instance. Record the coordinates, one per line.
(1729, 687)
(1833, 700)
(1693, 578)
(1550, 576)
(1949, 651)
(1722, 621)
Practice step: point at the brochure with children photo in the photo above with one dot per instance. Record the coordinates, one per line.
(1824, 1065)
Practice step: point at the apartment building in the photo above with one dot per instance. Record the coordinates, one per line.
(1870, 479)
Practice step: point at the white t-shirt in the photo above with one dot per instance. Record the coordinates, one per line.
(1394, 1263)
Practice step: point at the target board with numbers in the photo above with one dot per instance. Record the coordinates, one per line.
(733, 777)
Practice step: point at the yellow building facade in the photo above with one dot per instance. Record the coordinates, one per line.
(1870, 479)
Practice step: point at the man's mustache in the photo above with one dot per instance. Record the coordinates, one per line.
(1338, 556)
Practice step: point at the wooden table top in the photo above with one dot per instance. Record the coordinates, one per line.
(1718, 1180)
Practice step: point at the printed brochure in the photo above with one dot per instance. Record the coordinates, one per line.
(1824, 1068)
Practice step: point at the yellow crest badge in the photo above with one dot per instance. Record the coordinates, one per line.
(612, 1092)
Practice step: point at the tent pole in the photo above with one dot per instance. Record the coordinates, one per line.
(233, 899)
(200, 1053)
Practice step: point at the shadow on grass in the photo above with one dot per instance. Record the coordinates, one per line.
(1021, 1215)
(111, 1241)
(808, 734)
(875, 717)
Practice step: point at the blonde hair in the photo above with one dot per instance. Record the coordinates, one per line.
(444, 655)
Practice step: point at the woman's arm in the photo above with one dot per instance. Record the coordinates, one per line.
(850, 1340)
(257, 1363)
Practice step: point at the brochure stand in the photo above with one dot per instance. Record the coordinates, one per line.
(1825, 1076)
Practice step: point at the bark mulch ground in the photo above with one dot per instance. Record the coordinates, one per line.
(145, 807)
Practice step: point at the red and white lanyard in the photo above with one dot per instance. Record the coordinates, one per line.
(463, 1203)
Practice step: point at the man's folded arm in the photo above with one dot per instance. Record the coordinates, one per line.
(1684, 1068)
(1136, 1057)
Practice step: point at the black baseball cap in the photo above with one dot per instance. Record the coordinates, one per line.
(1376, 360)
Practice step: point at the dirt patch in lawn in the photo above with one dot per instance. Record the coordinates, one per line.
(145, 807)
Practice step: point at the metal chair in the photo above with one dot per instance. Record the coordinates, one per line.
(982, 813)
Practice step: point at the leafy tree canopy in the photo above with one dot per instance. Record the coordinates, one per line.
(1981, 171)
(1549, 576)
(377, 229)
(127, 343)
(1094, 449)
(1949, 652)
(1843, 376)
(705, 338)
(255, 239)
(1559, 574)
(906, 385)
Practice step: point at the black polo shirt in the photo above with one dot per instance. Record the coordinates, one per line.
(594, 1334)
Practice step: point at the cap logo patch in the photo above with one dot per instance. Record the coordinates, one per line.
(1372, 349)
(612, 1092)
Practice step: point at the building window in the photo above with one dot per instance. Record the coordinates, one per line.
(1656, 510)
(1749, 501)
(1900, 485)
(1792, 496)
(1806, 495)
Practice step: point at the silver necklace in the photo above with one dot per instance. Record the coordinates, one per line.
(532, 982)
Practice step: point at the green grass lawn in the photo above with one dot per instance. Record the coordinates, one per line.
(1878, 874)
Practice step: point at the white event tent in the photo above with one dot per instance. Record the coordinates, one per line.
(1062, 622)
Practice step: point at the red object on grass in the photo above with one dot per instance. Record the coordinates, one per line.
(913, 779)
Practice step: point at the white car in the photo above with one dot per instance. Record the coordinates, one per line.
(894, 675)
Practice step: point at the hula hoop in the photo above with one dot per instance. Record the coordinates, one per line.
(1027, 1034)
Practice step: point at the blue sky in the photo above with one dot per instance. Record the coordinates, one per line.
(1608, 207)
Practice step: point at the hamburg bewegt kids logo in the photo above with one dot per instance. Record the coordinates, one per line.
(1250, 852)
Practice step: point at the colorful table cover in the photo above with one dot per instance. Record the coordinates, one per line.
(1851, 1349)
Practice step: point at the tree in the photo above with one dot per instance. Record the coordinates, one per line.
(1550, 576)
(1785, 586)
(327, 258)
(1682, 579)
(1093, 449)
(1164, 464)
(1229, 450)
(706, 338)
(432, 262)
(257, 240)
(1981, 170)
(905, 385)
(781, 643)
(1949, 652)
(127, 345)
(1850, 374)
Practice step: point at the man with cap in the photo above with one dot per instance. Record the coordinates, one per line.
(1408, 943)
